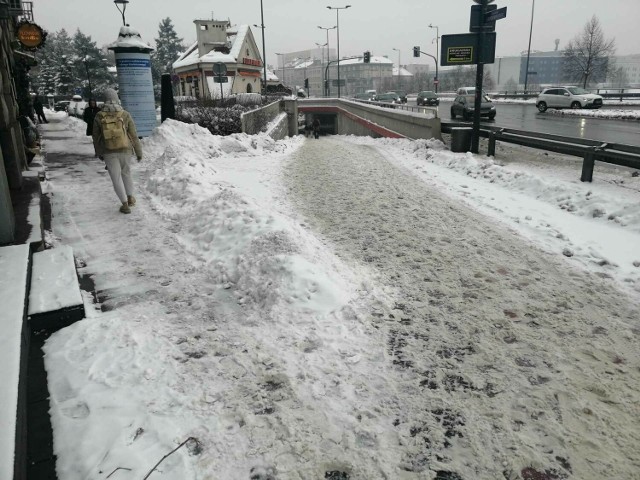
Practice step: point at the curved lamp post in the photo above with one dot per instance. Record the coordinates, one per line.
(398, 50)
(437, 51)
(124, 7)
(337, 9)
(326, 29)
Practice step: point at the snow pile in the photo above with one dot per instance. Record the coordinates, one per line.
(595, 224)
(582, 199)
(248, 246)
(514, 100)
(607, 113)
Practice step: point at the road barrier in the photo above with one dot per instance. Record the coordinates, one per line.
(589, 150)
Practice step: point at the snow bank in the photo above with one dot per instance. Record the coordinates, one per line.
(250, 246)
(595, 225)
(607, 113)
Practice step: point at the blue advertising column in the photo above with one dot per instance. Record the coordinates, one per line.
(133, 65)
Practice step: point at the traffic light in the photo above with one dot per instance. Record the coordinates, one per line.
(367, 57)
(306, 83)
(416, 51)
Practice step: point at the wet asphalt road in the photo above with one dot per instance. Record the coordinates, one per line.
(527, 117)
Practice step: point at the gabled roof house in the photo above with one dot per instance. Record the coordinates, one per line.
(219, 42)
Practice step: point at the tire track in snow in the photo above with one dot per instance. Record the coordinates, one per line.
(508, 359)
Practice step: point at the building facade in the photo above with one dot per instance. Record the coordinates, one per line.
(355, 75)
(625, 71)
(13, 160)
(219, 42)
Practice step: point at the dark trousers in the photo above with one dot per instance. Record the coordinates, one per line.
(41, 117)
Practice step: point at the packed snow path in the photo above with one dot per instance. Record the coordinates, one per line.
(436, 343)
(504, 352)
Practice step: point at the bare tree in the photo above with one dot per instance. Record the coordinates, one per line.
(587, 54)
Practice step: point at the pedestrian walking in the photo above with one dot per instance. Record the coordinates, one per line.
(89, 115)
(115, 139)
(316, 128)
(39, 108)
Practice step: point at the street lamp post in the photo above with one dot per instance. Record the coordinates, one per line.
(437, 52)
(326, 29)
(337, 9)
(398, 50)
(526, 72)
(85, 60)
(264, 52)
(124, 7)
(322, 45)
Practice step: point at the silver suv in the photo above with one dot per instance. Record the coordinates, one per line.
(567, 97)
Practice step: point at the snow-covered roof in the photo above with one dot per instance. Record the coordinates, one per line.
(130, 38)
(304, 63)
(353, 61)
(235, 37)
(403, 72)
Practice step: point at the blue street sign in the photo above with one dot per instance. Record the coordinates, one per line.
(495, 15)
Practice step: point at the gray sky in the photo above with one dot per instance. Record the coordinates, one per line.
(374, 25)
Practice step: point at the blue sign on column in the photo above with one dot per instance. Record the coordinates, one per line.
(136, 90)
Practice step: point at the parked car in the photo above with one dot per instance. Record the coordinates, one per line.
(464, 105)
(364, 96)
(567, 97)
(389, 97)
(401, 94)
(76, 106)
(61, 106)
(471, 91)
(427, 98)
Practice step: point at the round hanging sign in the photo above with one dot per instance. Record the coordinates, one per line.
(30, 35)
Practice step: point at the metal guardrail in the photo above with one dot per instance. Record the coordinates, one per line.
(398, 106)
(590, 150)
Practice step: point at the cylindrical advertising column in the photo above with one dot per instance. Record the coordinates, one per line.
(133, 65)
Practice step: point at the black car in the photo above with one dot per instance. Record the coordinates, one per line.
(61, 106)
(464, 105)
(427, 98)
(401, 94)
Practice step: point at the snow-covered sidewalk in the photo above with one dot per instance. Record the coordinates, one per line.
(335, 309)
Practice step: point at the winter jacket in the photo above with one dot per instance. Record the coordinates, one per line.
(98, 138)
(89, 116)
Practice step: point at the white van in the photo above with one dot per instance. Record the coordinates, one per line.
(76, 106)
(470, 91)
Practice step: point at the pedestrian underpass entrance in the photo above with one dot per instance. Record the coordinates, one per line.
(328, 122)
(348, 117)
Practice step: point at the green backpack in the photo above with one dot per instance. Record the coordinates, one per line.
(114, 131)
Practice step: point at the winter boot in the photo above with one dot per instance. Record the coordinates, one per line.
(125, 208)
(131, 200)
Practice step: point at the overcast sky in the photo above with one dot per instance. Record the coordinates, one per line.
(374, 25)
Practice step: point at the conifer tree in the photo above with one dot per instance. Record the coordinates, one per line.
(168, 48)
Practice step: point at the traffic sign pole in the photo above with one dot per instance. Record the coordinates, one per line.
(475, 139)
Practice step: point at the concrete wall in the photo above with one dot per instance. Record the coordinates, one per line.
(356, 118)
(256, 121)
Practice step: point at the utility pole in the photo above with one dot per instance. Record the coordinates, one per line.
(526, 72)
(475, 139)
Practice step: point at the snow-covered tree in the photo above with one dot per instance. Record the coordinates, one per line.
(91, 66)
(587, 55)
(168, 48)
